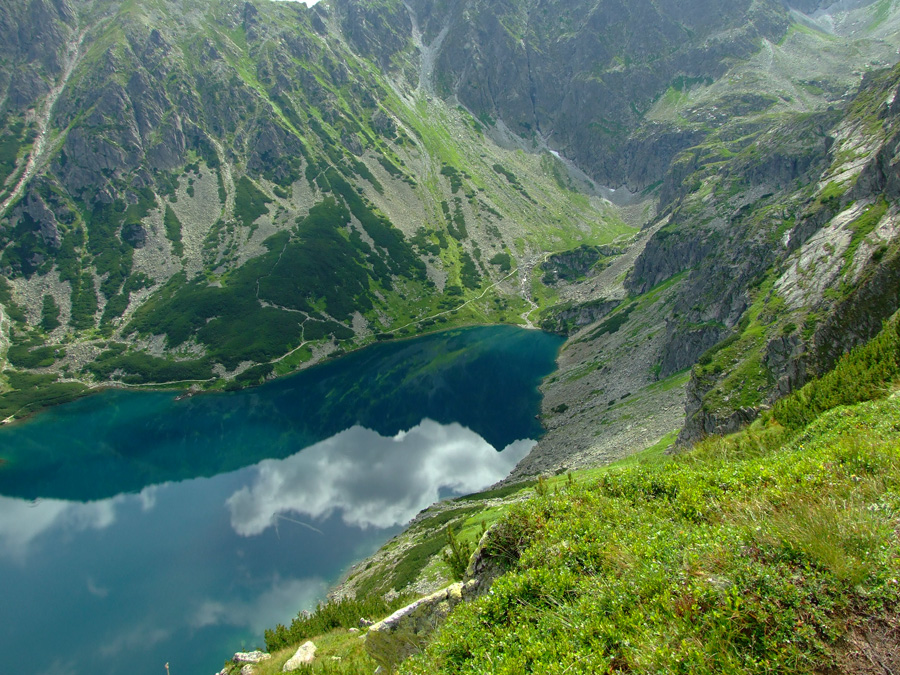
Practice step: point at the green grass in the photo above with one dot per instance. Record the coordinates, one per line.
(496, 493)
(30, 393)
(753, 553)
(327, 616)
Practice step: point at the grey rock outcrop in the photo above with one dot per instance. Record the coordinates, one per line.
(568, 319)
(251, 657)
(305, 654)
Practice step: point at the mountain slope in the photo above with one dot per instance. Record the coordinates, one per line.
(221, 189)
(211, 194)
(771, 256)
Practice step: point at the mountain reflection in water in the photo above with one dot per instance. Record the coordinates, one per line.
(218, 559)
(136, 529)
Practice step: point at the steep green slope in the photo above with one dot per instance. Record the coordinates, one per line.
(771, 550)
(233, 192)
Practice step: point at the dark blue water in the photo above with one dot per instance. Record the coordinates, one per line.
(136, 529)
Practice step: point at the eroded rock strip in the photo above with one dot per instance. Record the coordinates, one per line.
(40, 147)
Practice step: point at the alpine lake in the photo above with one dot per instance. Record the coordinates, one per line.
(142, 528)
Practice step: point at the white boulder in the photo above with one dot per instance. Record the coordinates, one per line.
(304, 655)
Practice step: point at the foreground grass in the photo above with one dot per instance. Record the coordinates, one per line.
(774, 550)
(763, 552)
(338, 652)
(733, 558)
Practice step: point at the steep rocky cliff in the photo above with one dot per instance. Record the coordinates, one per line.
(770, 256)
(214, 193)
(204, 190)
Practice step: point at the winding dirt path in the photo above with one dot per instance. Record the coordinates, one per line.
(525, 287)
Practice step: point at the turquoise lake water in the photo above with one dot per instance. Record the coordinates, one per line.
(137, 529)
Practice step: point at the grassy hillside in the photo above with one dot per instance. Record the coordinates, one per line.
(207, 170)
(771, 550)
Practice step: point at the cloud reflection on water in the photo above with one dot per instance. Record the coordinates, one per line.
(281, 599)
(21, 521)
(372, 480)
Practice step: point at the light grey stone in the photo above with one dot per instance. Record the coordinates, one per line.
(407, 630)
(251, 657)
(304, 655)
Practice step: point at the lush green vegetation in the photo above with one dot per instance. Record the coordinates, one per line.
(398, 255)
(84, 302)
(468, 274)
(107, 230)
(138, 367)
(6, 299)
(249, 202)
(49, 313)
(32, 392)
(173, 231)
(503, 259)
(27, 355)
(862, 375)
(754, 553)
(320, 267)
(338, 652)
(344, 613)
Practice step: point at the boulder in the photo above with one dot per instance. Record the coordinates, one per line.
(304, 655)
(251, 657)
(407, 630)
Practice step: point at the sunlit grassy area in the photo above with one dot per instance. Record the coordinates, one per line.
(759, 552)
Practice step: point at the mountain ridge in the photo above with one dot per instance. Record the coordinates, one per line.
(201, 161)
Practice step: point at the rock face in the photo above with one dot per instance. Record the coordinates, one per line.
(587, 83)
(407, 630)
(305, 654)
(251, 657)
(834, 271)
